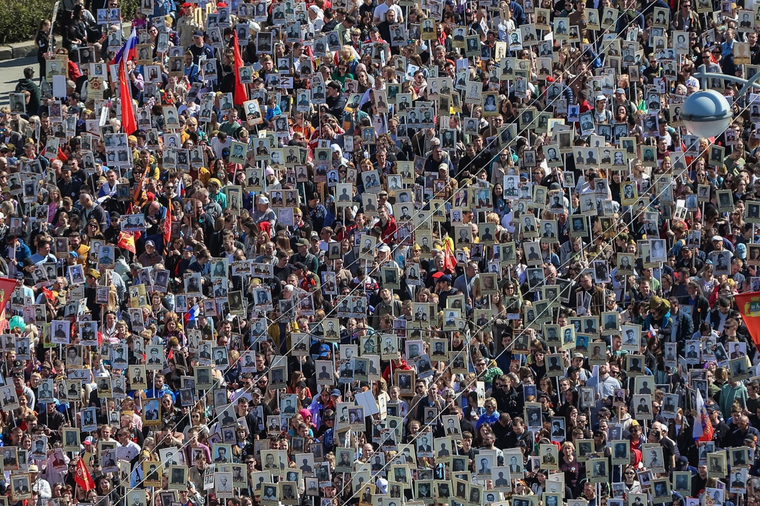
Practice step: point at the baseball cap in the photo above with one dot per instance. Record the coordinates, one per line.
(150, 243)
(619, 90)
(198, 33)
(324, 350)
(600, 98)
(335, 393)
(741, 250)
(263, 200)
(716, 238)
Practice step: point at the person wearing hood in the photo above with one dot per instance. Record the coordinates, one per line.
(337, 156)
(399, 364)
(316, 16)
(272, 182)
(28, 84)
(630, 480)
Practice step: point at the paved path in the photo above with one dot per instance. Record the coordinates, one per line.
(11, 71)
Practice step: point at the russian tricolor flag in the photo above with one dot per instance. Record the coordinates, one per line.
(192, 315)
(703, 429)
(130, 48)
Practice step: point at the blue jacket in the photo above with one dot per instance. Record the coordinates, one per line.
(164, 8)
(152, 394)
(517, 13)
(193, 73)
(22, 252)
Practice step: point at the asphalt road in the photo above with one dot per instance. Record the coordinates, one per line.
(10, 72)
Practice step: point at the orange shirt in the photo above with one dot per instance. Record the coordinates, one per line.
(306, 129)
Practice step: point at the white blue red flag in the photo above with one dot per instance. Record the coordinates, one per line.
(703, 429)
(129, 49)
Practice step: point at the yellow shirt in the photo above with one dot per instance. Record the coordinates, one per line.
(83, 251)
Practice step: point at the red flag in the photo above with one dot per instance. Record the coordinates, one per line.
(449, 260)
(749, 307)
(48, 294)
(128, 120)
(168, 226)
(240, 93)
(83, 477)
(7, 286)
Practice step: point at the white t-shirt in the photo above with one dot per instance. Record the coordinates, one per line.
(381, 9)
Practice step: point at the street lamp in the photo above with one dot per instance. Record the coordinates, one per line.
(707, 113)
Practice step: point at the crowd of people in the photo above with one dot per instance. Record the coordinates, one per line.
(381, 253)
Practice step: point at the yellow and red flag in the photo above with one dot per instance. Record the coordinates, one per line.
(127, 241)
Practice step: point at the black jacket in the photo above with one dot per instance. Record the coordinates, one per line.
(684, 327)
(337, 106)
